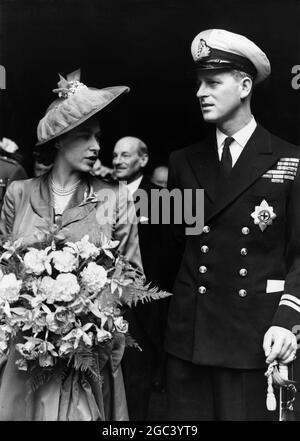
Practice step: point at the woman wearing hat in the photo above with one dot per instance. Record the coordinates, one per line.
(69, 197)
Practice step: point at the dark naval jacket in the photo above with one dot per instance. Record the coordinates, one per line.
(242, 273)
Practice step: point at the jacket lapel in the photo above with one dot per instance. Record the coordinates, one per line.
(256, 158)
(81, 204)
(40, 199)
(204, 162)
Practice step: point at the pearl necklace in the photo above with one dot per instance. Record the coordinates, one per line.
(64, 191)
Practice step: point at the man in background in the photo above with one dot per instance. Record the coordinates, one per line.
(146, 322)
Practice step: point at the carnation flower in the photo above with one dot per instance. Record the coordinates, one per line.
(94, 277)
(64, 261)
(67, 287)
(121, 325)
(37, 261)
(10, 288)
(48, 289)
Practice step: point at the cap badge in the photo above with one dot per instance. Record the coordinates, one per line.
(203, 50)
(263, 215)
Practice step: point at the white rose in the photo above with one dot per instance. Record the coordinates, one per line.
(10, 288)
(121, 325)
(67, 287)
(64, 261)
(94, 277)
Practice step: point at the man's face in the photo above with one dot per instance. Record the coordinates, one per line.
(219, 94)
(79, 148)
(127, 161)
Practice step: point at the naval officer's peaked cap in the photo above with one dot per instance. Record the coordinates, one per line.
(220, 49)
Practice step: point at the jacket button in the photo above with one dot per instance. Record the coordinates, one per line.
(242, 293)
(243, 272)
(245, 230)
(204, 249)
(244, 251)
(202, 269)
(202, 290)
(206, 229)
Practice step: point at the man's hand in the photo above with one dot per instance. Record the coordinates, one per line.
(279, 344)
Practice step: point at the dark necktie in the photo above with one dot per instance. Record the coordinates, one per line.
(226, 160)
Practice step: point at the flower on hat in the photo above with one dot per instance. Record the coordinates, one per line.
(69, 86)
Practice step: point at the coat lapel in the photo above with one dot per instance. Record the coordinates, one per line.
(204, 162)
(81, 204)
(40, 199)
(79, 207)
(256, 158)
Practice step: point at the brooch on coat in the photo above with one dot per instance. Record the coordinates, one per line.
(88, 198)
(263, 215)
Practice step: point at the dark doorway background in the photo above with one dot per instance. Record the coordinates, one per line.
(144, 44)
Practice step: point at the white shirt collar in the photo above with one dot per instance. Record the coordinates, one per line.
(134, 185)
(241, 137)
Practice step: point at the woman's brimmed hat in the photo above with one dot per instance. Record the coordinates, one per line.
(76, 104)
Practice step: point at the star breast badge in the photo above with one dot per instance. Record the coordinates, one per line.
(263, 215)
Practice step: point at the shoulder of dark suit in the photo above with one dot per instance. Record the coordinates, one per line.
(282, 144)
(277, 143)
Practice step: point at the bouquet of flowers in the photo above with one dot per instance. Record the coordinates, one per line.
(61, 303)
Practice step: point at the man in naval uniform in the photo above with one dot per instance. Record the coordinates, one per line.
(237, 293)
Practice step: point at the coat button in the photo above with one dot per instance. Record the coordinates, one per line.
(244, 251)
(202, 290)
(243, 272)
(204, 249)
(206, 229)
(242, 293)
(245, 230)
(202, 269)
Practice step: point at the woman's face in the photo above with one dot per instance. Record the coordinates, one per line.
(78, 149)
